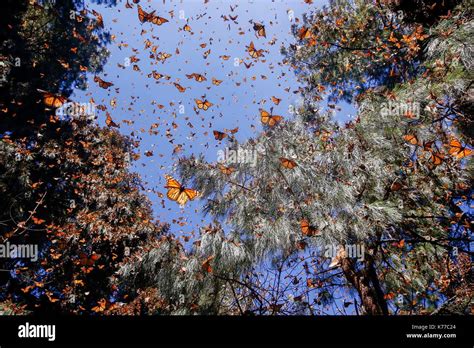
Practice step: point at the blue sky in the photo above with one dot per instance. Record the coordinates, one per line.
(236, 100)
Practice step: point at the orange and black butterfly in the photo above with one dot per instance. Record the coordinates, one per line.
(254, 53)
(226, 170)
(187, 28)
(162, 56)
(436, 158)
(304, 33)
(276, 100)
(219, 135)
(307, 229)
(158, 20)
(109, 122)
(150, 17)
(249, 65)
(179, 87)
(233, 131)
(288, 163)
(206, 53)
(216, 81)
(458, 150)
(52, 100)
(410, 138)
(102, 84)
(156, 75)
(269, 119)
(204, 105)
(197, 77)
(101, 306)
(177, 192)
(259, 30)
(85, 260)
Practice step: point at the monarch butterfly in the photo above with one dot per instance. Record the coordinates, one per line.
(233, 131)
(162, 56)
(206, 265)
(254, 53)
(216, 81)
(427, 145)
(234, 17)
(102, 84)
(304, 33)
(197, 77)
(150, 17)
(226, 170)
(144, 16)
(156, 75)
(276, 100)
(269, 119)
(396, 186)
(206, 53)
(224, 57)
(177, 192)
(52, 100)
(101, 305)
(109, 122)
(84, 260)
(287, 163)
(219, 135)
(437, 158)
(100, 20)
(179, 87)
(187, 28)
(410, 138)
(248, 65)
(203, 104)
(158, 20)
(457, 150)
(259, 30)
(307, 229)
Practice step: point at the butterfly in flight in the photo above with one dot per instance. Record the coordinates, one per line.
(197, 77)
(216, 81)
(254, 53)
(259, 30)
(177, 192)
(102, 84)
(269, 119)
(204, 105)
(219, 135)
(150, 17)
(52, 100)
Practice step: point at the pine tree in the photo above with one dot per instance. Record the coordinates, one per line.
(391, 180)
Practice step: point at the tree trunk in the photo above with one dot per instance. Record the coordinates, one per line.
(366, 282)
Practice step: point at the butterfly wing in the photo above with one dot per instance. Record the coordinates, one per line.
(273, 120)
(264, 116)
(219, 135)
(287, 163)
(410, 138)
